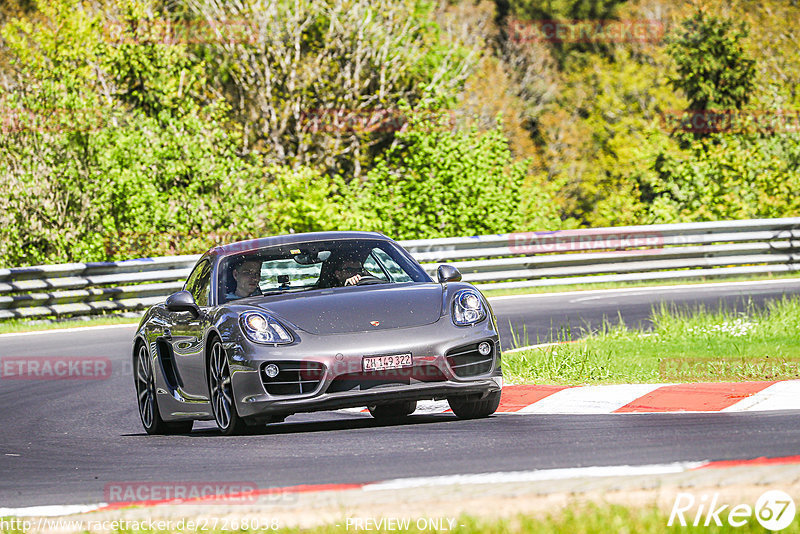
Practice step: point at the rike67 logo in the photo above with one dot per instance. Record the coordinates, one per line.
(774, 510)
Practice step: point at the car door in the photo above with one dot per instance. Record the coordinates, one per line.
(187, 336)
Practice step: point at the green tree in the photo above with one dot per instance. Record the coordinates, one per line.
(317, 83)
(436, 182)
(734, 168)
(729, 176)
(604, 157)
(713, 68)
(558, 9)
(109, 142)
(290, 200)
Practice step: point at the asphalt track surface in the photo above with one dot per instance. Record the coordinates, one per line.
(64, 441)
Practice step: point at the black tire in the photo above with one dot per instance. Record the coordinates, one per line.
(145, 380)
(466, 408)
(220, 392)
(396, 411)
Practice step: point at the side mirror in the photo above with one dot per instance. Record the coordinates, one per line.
(182, 301)
(448, 273)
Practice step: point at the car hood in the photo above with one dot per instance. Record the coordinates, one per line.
(356, 309)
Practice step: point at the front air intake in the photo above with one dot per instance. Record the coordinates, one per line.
(365, 380)
(293, 378)
(466, 361)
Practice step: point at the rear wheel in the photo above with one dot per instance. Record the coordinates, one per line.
(221, 392)
(466, 408)
(397, 411)
(145, 380)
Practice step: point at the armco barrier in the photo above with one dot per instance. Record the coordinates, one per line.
(655, 252)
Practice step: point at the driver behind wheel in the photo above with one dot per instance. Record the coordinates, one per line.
(247, 275)
(349, 272)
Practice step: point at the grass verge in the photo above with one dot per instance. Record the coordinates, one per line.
(683, 346)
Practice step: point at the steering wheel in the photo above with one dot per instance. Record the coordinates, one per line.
(368, 279)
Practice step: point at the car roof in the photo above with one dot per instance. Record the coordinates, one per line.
(288, 239)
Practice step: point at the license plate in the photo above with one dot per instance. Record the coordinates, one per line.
(395, 361)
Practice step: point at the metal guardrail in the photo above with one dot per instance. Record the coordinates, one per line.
(503, 261)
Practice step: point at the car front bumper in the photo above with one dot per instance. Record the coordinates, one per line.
(341, 355)
(383, 394)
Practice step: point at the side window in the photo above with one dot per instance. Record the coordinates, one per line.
(396, 272)
(372, 267)
(199, 284)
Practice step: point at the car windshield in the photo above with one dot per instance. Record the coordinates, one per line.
(315, 265)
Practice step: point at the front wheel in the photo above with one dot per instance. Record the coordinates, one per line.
(145, 380)
(466, 408)
(397, 411)
(221, 392)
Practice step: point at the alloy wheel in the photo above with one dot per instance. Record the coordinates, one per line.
(145, 387)
(221, 395)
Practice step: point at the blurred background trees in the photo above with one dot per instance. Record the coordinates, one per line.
(146, 127)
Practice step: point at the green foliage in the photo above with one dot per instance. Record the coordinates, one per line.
(734, 169)
(728, 176)
(289, 200)
(120, 142)
(102, 158)
(118, 147)
(435, 182)
(713, 67)
(616, 107)
(588, 13)
(562, 9)
(149, 74)
(318, 83)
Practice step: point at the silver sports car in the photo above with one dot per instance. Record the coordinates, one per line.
(271, 327)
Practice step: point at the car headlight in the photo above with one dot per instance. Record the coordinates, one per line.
(262, 328)
(468, 308)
